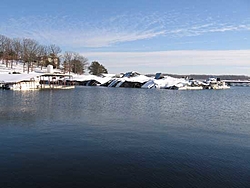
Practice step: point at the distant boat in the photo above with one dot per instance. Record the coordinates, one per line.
(186, 87)
(215, 83)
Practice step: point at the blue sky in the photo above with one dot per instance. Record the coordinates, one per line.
(183, 37)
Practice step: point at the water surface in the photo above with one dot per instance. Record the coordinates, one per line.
(119, 137)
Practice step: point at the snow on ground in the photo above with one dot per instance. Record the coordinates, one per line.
(16, 74)
(6, 75)
(19, 68)
(7, 70)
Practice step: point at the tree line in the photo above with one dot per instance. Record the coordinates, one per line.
(33, 54)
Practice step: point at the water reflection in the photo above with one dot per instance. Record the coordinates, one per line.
(91, 137)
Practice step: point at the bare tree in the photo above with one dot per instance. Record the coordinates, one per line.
(68, 57)
(30, 52)
(43, 53)
(17, 48)
(54, 54)
(79, 63)
(3, 40)
(74, 62)
(9, 52)
(6, 49)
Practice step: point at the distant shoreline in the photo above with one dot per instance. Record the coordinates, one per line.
(206, 76)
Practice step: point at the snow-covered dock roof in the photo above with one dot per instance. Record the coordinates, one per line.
(15, 78)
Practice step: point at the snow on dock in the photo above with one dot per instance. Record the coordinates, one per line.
(50, 79)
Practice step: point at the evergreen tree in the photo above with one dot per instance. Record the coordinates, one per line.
(97, 69)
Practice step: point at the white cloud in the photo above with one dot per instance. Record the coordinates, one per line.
(75, 33)
(81, 33)
(223, 62)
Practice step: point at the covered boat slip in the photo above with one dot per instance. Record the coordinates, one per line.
(56, 81)
(35, 81)
(19, 81)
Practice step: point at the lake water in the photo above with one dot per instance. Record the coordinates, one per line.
(119, 137)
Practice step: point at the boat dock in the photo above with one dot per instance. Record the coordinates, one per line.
(237, 82)
(56, 81)
(36, 81)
